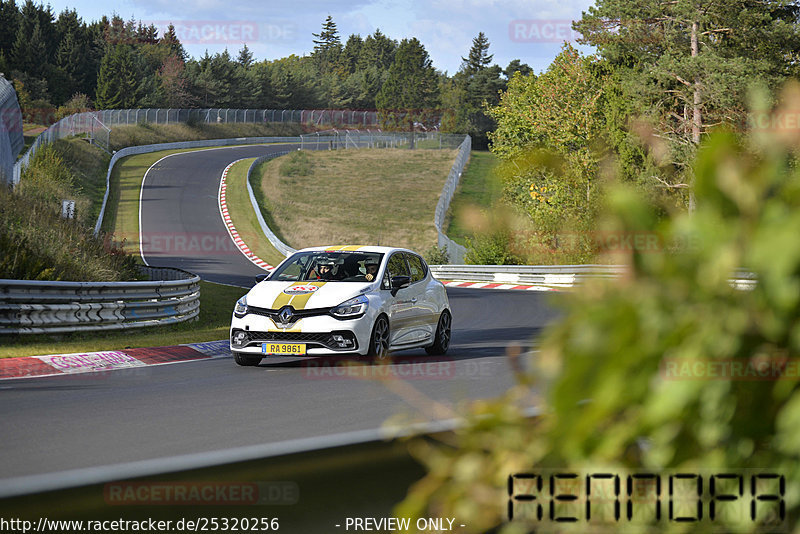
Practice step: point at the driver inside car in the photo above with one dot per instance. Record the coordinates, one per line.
(372, 270)
(324, 271)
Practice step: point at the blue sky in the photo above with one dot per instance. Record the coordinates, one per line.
(529, 30)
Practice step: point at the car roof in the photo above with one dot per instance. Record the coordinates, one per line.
(354, 248)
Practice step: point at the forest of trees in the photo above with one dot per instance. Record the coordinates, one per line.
(63, 61)
(664, 76)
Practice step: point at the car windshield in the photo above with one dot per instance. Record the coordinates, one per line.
(329, 266)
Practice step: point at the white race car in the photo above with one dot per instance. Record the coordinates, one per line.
(343, 299)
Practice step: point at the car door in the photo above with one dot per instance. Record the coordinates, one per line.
(423, 318)
(401, 316)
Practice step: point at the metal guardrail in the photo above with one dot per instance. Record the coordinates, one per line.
(553, 275)
(279, 245)
(547, 275)
(205, 143)
(46, 307)
(342, 139)
(455, 251)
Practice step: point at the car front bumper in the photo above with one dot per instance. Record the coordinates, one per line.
(322, 335)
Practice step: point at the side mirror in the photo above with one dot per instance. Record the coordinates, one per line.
(261, 277)
(399, 282)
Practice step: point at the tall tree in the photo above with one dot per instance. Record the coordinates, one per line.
(30, 52)
(71, 56)
(173, 84)
(478, 57)
(327, 47)
(245, 57)
(9, 20)
(514, 66)
(411, 90)
(117, 83)
(476, 85)
(689, 63)
(351, 53)
(170, 40)
(377, 51)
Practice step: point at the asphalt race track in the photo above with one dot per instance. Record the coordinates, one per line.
(70, 422)
(180, 221)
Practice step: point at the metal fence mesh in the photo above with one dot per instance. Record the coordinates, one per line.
(96, 125)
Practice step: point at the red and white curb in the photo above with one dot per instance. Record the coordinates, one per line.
(93, 362)
(496, 285)
(226, 218)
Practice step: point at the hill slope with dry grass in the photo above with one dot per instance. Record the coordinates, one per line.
(377, 196)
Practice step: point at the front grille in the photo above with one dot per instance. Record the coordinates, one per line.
(309, 338)
(296, 314)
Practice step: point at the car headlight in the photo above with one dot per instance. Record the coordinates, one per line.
(349, 309)
(240, 310)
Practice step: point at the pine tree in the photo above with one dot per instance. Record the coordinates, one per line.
(68, 64)
(378, 51)
(478, 57)
(9, 20)
(29, 54)
(283, 89)
(170, 40)
(411, 89)
(92, 37)
(351, 53)
(327, 47)
(117, 83)
(476, 85)
(328, 38)
(262, 84)
(515, 65)
(245, 57)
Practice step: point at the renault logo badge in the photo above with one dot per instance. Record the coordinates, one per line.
(285, 315)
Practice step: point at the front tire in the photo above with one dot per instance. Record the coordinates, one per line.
(379, 340)
(441, 339)
(246, 361)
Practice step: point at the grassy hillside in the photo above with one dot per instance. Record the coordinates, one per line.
(477, 190)
(36, 242)
(149, 134)
(378, 196)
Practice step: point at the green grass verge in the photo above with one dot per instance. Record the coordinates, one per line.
(89, 166)
(477, 190)
(369, 197)
(216, 306)
(244, 217)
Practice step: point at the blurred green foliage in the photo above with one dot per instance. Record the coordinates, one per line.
(600, 377)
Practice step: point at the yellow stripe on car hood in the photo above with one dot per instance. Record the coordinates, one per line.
(298, 302)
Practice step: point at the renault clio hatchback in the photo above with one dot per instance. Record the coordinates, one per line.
(321, 301)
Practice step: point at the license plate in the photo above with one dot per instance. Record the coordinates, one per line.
(291, 349)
